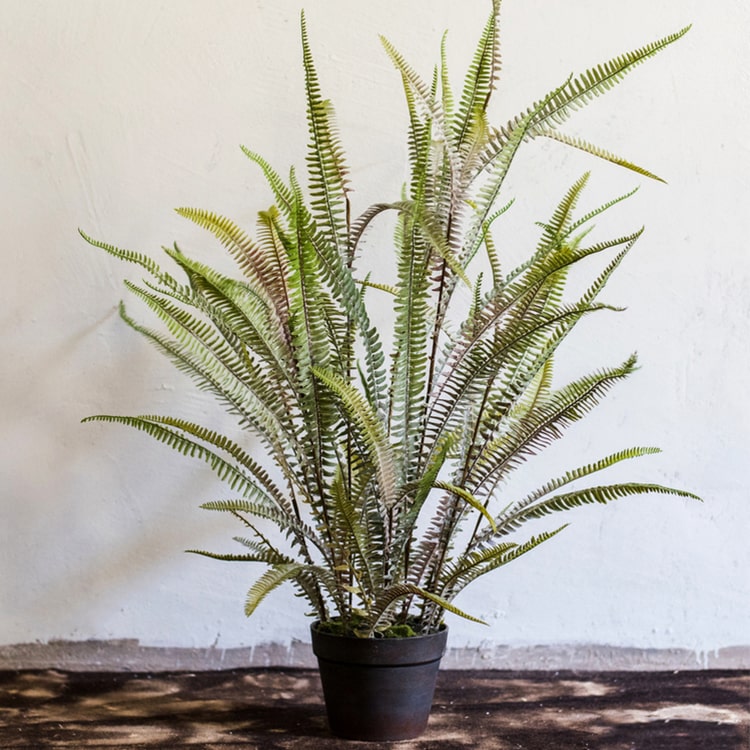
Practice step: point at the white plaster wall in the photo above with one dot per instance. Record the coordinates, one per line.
(115, 111)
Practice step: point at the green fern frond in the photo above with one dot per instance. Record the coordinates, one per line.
(258, 553)
(360, 225)
(498, 153)
(424, 96)
(235, 478)
(228, 556)
(559, 224)
(415, 497)
(602, 494)
(389, 596)
(282, 192)
(480, 80)
(242, 457)
(354, 537)
(466, 496)
(372, 430)
(245, 320)
(139, 259)
(601, 153)
(288, 523)
(513, 517)
(266, 271)
(476, 564)
(240, 402)
(580, 90)
(215, 365)
(325, 159)
(446, 90)
(270, 580)
(408, 380)
(587, 217)
(387, 288)
(538, 429)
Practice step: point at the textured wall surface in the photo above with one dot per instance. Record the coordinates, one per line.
(116, 111)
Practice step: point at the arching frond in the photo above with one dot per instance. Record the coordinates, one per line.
(228, 472)
(388, 597)
(602, 494)
(130, 256)
(270, 580)
(601, 153)
(581, 90)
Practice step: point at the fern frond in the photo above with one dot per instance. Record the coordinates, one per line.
(360, 225)
(498, 153)
(353, 539)
(476, 564)
(282, 192)
(602, 494)
(243, 321)
(481, 78)
(580, 90)
(372, 430)
(601, 153)
(287, 523)
(235, 478)
(270, 580)
(466, 496)
(424, 95)
(230, 447)
(239, 400)
(204, 356)
(258, 553)
(415, 497)
(411, 328)
(266, 271)
(538, 429)
(558, 226)
(389, 596)
(326, 167)
(587, 217)
(446, 90)
(512, 516)
(139, 259)
(387, 288)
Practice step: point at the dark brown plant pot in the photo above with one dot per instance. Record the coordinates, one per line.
(378, 689)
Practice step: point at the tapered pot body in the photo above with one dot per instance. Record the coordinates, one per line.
(378, 689)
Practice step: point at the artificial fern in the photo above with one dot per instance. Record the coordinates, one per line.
(393, 495)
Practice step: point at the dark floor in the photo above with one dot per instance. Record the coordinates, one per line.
(281, 710)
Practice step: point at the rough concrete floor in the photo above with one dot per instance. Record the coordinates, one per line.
(281, 710)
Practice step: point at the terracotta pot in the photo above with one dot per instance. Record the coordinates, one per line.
(378, 689)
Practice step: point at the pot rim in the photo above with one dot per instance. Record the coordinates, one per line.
(412, 650)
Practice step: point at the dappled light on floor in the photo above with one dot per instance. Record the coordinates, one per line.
(282, 710)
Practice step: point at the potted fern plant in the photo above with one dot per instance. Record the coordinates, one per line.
(393, 462)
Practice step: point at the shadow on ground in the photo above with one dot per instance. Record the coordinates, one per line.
(282, 710)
